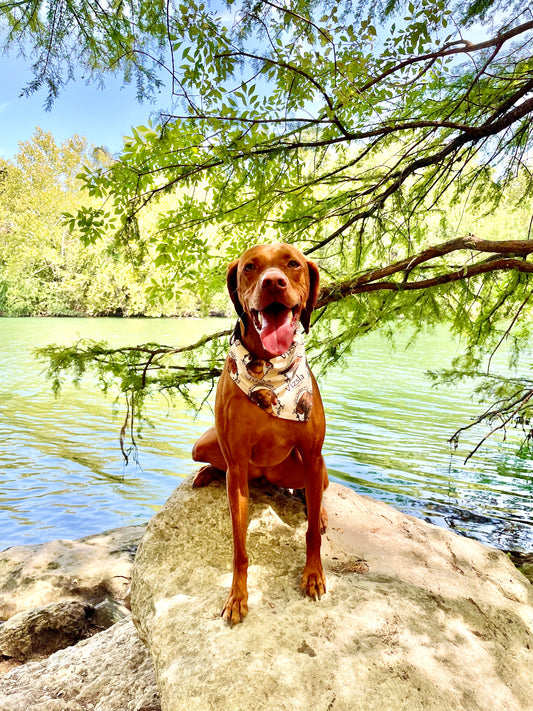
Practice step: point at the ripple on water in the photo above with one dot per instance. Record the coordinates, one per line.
(62, 473)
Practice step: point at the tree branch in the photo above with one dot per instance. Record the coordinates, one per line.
(448, 51)
(474, 134)
(373, 280)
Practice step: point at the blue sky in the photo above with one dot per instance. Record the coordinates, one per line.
(102, 116)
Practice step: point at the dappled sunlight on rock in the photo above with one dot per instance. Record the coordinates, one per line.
(415, 617)
(90, 568)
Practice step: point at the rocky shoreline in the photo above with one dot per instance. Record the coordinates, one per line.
(68, 642)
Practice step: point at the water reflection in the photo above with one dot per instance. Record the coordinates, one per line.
(62, 474)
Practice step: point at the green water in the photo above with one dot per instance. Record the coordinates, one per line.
(62, 473)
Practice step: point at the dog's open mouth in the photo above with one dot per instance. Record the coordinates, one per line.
(276, 325)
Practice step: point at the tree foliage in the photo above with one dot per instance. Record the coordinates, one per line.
(40, 262)
(379, 137)
(45, 268)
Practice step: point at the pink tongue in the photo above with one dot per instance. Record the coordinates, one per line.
(277, 333)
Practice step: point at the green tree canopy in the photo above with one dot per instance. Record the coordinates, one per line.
(382, 138)
(40, 262)
(45, 269)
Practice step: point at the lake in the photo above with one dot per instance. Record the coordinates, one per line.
(62, 473)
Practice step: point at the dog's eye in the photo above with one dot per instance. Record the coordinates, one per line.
(249, 267)
(294, 264)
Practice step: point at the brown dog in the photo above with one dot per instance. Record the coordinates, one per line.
(273, 288)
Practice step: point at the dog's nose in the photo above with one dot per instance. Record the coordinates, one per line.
(274, 278)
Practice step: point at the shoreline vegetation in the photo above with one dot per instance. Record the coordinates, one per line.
(215, 313)
(47, 269)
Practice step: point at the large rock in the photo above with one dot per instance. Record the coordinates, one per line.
(43, 630)
(91, 569)
(415, 617)
(111, 671)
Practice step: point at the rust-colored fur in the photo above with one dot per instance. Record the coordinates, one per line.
(248, 442)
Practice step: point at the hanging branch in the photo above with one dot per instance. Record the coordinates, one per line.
(144, 360)
(505, 410)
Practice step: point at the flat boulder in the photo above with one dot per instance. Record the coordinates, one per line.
(111, 671)
(415, 617)
(91, 569)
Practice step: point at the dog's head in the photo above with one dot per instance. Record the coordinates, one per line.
(273, 288)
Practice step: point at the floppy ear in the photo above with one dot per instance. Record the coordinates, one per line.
(314, 288)
(232, 286)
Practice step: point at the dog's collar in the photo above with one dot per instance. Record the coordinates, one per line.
(281, 386)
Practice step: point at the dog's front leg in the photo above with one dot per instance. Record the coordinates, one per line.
(236, 606)
(313, 578)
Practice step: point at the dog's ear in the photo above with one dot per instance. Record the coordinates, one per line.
(314, 288)
(232, 287)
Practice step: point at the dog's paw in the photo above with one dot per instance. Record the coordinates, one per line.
(235, 609)
(314, 583)
(206, 475)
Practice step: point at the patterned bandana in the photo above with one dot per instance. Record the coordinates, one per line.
(280, 386)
